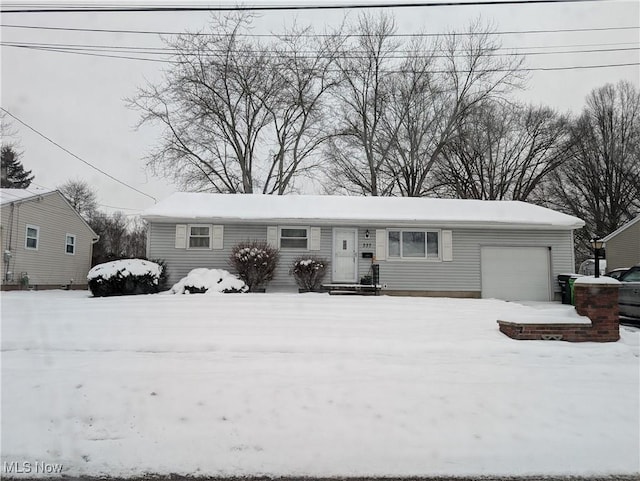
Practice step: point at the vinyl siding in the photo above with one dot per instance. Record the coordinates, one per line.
(624, 249)
(461, 274)
(49, 264)
(181, 261)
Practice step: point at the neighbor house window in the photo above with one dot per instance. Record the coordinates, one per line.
(413, 244)
(199, 236)
(294, 237)
(32, 237)
(70, 244)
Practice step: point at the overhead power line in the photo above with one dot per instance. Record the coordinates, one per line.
(531, 69)
(169, 50)
(257, 35)
(97, 203)
(262, 8)
(74, 155)
(302, 54)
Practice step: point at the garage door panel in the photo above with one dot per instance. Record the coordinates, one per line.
(515, 273)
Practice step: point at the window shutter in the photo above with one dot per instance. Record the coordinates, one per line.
(272, 236)
(381, 244)
(447, 245)
(314, 241)
(218, 237)
(181, 236)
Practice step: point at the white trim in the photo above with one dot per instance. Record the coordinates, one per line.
(446, 236)
(272, 236)
(26, 237)
(74, 244)
(189, 226)
(217, 237)
(381, 245)
(380, 223)
(333, 253)
(315, 237)
(401, 258)
(180, 236)
(307, 237)
(621, 229)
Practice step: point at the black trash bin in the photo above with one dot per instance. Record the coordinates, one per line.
(563, 280)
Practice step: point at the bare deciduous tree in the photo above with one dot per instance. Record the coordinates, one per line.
(399, 114)
(304, 63)
(600, 182)
(81, 197)
(226, 100)
(502, 151)
(439, 84)
(358, 151)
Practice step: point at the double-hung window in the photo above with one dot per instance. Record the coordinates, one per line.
(32, 237)
(413, 244)
(294, 237)
(70, 244)
(199, 237)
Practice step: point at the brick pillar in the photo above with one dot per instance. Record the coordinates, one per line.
(598, 300)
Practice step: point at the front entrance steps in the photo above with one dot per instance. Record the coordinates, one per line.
(352, 289)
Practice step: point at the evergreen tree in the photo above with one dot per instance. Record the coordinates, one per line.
(13, 174)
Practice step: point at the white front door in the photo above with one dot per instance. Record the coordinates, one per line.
(345, 255)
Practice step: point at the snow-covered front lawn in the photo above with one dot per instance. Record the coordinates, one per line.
(308, 384)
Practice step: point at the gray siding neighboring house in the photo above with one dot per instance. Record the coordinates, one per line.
(44, 241)
(507, 250)
(623, 245)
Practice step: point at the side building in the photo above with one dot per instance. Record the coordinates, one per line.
(623, 245)
(45, 243)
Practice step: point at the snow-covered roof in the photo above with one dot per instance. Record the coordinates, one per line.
(186, 206)
(12, 195)
(621, 229)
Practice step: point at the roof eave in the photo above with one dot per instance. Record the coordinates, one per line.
(366, 222)
(621, 229)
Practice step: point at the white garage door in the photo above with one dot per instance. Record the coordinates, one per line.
(516, 273)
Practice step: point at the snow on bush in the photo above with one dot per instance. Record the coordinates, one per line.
(124, 277)
(309, 272)
(255, 262)
(209, 280)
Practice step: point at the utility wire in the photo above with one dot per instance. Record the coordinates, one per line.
(75, 156)
(214, 53)
(97, 203)
(414, 34)
(531, 69)
(263, 8)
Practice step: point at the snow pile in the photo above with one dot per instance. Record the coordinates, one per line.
(278, 385)
(547, 313)
(596, 280)
(376, 210)
(252, 254)
(308, 262)
(124, 268)
(210, 281)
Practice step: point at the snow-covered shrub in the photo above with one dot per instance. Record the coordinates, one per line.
(124, 277)
(163, 280)
(255, 263)
(309, 271)
(210, 281)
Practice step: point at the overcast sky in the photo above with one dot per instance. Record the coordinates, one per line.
(77, 100)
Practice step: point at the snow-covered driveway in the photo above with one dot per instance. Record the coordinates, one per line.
(308, 384)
